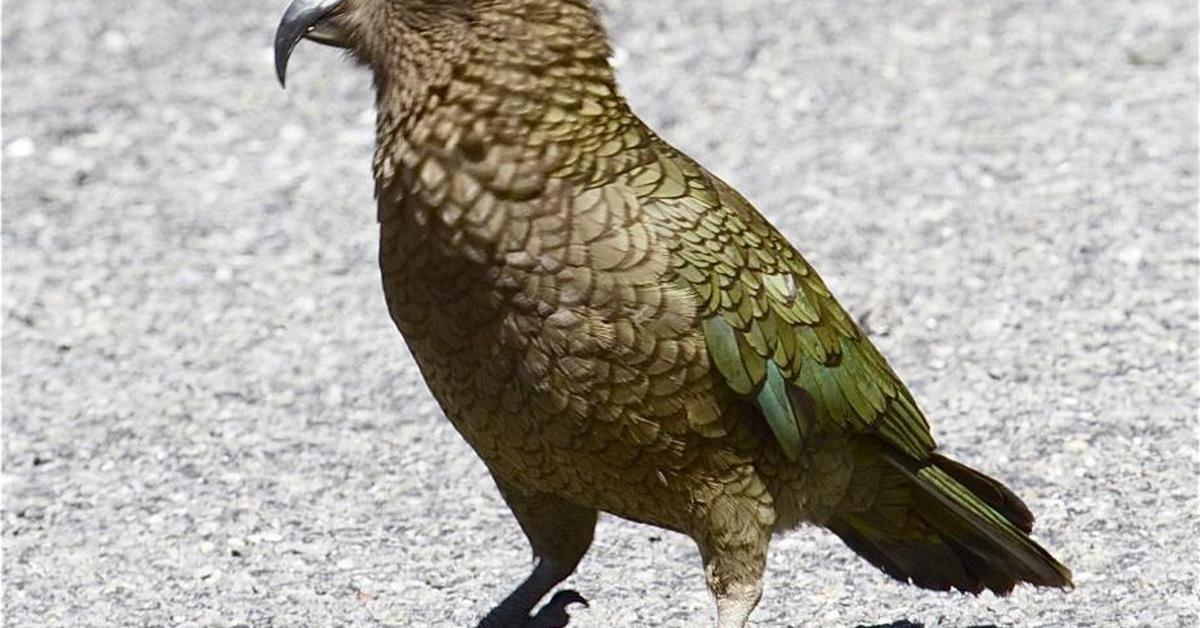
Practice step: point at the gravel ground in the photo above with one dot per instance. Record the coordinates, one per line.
(210, 421)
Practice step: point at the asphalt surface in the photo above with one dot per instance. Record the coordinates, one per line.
(208, 419)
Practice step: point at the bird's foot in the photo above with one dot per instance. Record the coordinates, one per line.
(552, 615)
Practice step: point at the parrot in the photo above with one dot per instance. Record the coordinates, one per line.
(614, 329)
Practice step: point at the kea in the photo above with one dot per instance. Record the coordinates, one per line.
(612, 328)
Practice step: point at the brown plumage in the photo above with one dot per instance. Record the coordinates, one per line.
(612, 328)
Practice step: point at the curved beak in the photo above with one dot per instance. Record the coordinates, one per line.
(308, 19)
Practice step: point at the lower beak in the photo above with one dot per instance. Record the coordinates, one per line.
(307, 19)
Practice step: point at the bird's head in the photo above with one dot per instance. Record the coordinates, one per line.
(479, 72)
(405, 40)
(375, 32)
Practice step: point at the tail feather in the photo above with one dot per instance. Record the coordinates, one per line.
(941, 525)
(997, 495)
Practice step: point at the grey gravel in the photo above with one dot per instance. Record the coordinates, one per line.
(210, 421)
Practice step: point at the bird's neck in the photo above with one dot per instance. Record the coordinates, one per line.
(520, 90)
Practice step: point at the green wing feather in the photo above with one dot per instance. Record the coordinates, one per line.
(774, 331)
(778, 339)
(776, 404)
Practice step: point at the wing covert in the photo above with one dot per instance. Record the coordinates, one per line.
(773, 329)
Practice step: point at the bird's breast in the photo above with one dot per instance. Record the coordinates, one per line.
(562, 340)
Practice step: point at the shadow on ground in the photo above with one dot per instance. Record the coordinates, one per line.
(904, 623)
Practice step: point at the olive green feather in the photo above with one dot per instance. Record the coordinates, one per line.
(776, 405)
(781, 333)
(726, 355)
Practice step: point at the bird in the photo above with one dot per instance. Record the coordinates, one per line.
(614, 329)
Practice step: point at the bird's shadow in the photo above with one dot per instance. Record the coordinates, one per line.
(554, 614)
(904, 623)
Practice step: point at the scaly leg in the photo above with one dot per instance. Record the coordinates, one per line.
(560, 533)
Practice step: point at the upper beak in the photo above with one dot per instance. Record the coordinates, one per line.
(306, 19)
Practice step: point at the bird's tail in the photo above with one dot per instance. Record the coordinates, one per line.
(943, 525)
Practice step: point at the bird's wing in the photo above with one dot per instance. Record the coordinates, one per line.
(773, 329)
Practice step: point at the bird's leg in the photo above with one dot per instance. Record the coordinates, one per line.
(734, 550)
(560, 533)
(514, 611)
(734, 576)
(735, 603)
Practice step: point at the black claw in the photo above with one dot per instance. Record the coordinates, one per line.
(554, 613)
(566, 597)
